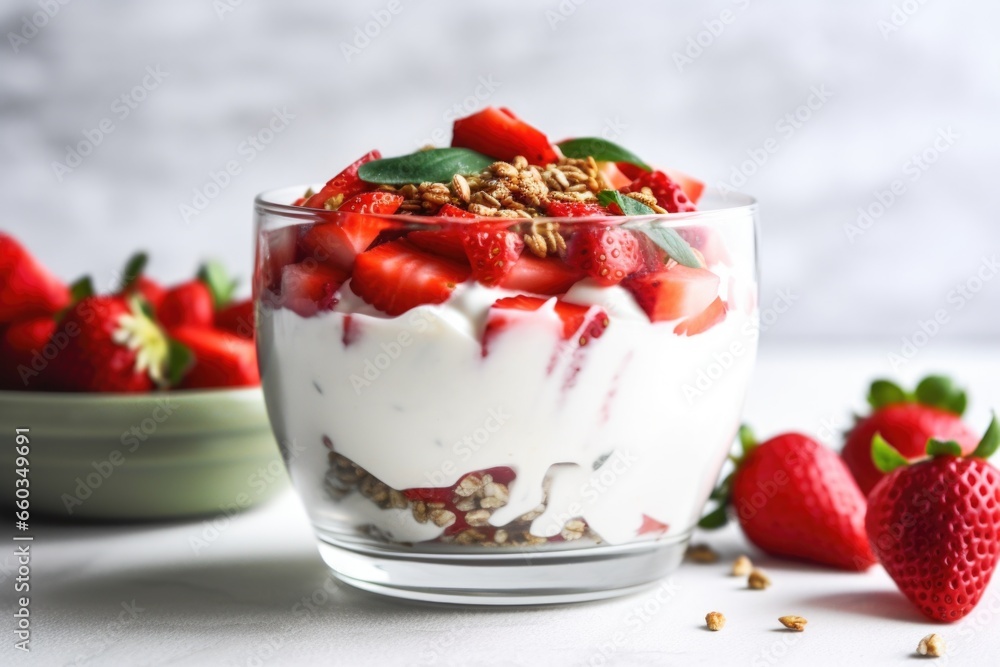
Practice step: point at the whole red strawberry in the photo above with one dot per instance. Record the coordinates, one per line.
(25, 350)
(907, 421)
(112, 347)
(935, 524)
(27, 289)
(795, 499)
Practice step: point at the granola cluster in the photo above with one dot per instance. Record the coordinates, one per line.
(473, 502)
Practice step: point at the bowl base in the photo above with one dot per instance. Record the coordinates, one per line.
(512, 578)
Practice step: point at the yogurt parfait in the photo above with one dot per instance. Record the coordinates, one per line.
(495, 369)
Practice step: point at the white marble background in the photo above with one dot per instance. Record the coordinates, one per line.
(574, 67)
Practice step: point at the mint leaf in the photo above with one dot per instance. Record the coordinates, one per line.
(437, 165)
(601, 150)
(884, 392)
(938, 391)
(941, 447)
(180, 359)
(133, 269)
(665, 237)
(215, 277)
(885, 457)
(717, 518)
(627, 205)
(991, 441)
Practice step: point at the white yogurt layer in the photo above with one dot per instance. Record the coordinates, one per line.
(636, 422)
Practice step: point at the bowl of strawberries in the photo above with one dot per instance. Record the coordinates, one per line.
(139, 403)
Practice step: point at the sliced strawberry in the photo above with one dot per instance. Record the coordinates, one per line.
(338, 243)
(533, 274)
(397, 276)
(501, 135)
(606, 254)
(237, 319)
(220, 359)
(703, 321)
(492, 255)
(23, 353)
(708, 242)
(344, 185)
(668, 194)
(276, 248)
(673, 293)
(452, 211)
(580, 323)
(308, 288)
(651, 525)
(187, 304)
(444, 242)
(574, 209)
(613, 175)
(27, 289)
(691, 186)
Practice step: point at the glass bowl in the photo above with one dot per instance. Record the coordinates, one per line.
(549, 438)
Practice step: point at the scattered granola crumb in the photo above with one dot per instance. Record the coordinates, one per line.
(796, 623)
(715, 621)
(932, 646)
(758, 580)
(742, 566)
(701, 553)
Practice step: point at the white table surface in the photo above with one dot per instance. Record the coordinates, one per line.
(238, 600)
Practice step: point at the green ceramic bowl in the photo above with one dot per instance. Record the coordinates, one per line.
(141, 456)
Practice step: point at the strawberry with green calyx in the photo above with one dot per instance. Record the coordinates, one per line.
(27, 289)
(906, 420)
(935, 523)
(134, 281)
(794, 498)
(195, 302)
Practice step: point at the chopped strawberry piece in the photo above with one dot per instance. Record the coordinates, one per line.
(397, 276)
(492, 255)
(187, 304)
(27, 289)
(691, 186)
(606, 254)
(673, 293)
(451, 497)
(452, 211)
(708, 242)
(444, 242)
(237, 318)
(276, 249)
(574, 209)
(703, 321)
(308, 288)
(501, 135)
(651, 525)
(344, 185)
(580, 323)
(668, 194)
(20, 343)
(220, 359)
(614, 176)
(533, 274)
(338, 243)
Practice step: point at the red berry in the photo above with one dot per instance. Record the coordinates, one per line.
(308, 288)
(491, 255)
(237, 318)
(344, 185)
(668, 194)
(673, 293)
(606, 254)
(187, 304)
(499, 134)
(451, 498)
(220, 359)
(574, 209)
(397, 276)
(549, 276)
(445, 242)
(27, 289)
(338, 243)
(579, 323)
(20, 342)
(703, 321)
(796, 499)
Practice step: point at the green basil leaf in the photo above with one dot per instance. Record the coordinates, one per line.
(215, 277)
(884, 392)
(601, 150)
(990, 442)
(886, 457)
(437, 165)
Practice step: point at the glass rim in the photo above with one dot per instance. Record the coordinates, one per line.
(728, 205)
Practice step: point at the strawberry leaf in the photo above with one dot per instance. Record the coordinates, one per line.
(133, 269)
(215, 277)
(885, 392)
(437, 165)
(885, 457)
(991, 441)
(81, 289)
(180, 359)
(747, 439)
(939, 391)
(717, 518)
(601, 150)
(943, 448)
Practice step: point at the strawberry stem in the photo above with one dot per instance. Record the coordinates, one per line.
(886, 457)
(991, 441)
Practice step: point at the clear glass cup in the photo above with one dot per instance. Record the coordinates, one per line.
(464, 452)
